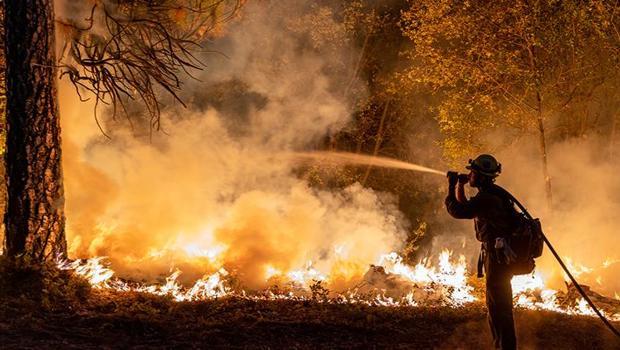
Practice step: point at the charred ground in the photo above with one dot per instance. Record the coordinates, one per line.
(53, 309)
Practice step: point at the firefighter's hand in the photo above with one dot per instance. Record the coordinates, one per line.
(463, 179)
(453, 178)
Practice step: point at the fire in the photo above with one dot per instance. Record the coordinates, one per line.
(448, 279)
(449, 275)
(530, 292)
(211, 254)
(92, 269)
(100, 276)
(227, 207)
(304, 276)
(444, 283)
(578, 269)
(271, 271)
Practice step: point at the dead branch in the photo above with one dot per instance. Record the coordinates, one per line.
(133, 49)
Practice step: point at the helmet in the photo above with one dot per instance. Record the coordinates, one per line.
(485, 164)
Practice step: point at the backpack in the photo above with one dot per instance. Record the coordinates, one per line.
(526, 240)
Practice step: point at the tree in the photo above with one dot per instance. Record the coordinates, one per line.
(35, 216)
(525, 61)
(607, 25)
(125, 49)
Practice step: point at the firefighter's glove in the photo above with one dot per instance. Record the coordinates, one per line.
(463, 179)
(453, 178)
(502, 247)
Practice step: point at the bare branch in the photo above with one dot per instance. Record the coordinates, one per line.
(132, 49)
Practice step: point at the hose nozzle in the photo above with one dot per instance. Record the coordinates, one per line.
(456, 177)
(453, 178)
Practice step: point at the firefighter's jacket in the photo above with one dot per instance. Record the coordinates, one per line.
(492, 213)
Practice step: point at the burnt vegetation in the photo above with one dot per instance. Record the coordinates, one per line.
(42, 306)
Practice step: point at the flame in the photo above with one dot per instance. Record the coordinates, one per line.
(575, 268)
(609, 261)
(305, 276)
(530, 292)
(212, 254)
(449, 275)
(271, 272)
(449, 278)
(446, 281)
(101, 276)
(93, 270)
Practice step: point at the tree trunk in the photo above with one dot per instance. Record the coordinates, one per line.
(358, 65)
(378, 140)
(543, 151)
(34, 218)
(612, 136)
(541, 128)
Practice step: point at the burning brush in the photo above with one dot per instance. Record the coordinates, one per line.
(390, 282)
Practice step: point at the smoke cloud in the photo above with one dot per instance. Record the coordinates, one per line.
(582, 225)
(211, 190)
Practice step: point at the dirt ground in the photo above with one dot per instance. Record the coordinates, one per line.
(53, 309)
(130, 320)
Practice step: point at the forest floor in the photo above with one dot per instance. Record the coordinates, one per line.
(62, 312)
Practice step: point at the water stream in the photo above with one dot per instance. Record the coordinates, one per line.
(360, 159)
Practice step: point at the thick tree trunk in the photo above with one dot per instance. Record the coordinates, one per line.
(34, 217)
(2, 126)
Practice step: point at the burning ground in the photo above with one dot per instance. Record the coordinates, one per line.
(390, 283)
(56, 308)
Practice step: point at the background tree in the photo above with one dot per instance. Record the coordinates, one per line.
(502, 64)
(607, 25)
(387, 120)
(122, 50)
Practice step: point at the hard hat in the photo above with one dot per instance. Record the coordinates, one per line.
(485, 164)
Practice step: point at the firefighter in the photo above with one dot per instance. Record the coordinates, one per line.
(493, 220)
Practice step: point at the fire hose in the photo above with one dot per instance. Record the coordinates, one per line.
(570, 276)
(392, 163)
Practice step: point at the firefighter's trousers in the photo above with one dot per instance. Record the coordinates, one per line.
(499, 304)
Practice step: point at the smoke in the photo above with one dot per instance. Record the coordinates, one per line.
(210, 190)
(582, 225)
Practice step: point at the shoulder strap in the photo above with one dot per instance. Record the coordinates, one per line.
(512, 198)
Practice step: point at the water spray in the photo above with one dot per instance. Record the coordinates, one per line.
(359, 159)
